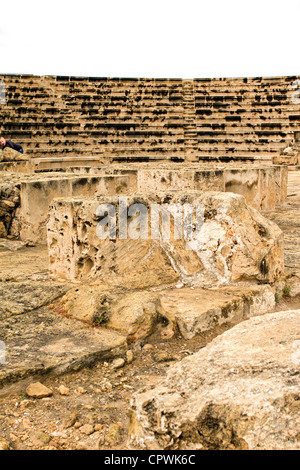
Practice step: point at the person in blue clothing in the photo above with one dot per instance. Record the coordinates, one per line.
(8, 143)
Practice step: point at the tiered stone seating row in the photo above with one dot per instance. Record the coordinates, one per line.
(245, 117)
(144, 119)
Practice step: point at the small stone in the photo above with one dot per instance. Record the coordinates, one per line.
(81, 390)
(87, 429)
(118, 363)
(129, 356)
(168, 332)
(81, 446)
(24, 404)
(179, 285)
(38, 390)
(59, 434)
(7, 204)
(64, 390)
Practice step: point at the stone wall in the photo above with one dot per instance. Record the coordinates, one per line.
(150, 119)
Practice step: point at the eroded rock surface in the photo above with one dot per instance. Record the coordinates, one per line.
(11, 155)
(234, 244)
(239, 392)
(132, 313)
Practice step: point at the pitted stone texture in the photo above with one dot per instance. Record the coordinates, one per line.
(10, 155)
(9, 203)
(263, 188)
(239, 392)
(25, 197)
(190, 311)
(37, 194)
(197, 311)
(142, 119)
(38, 339)
(235, 244)
(134, 314)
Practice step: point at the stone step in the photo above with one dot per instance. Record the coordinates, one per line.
(198, 311)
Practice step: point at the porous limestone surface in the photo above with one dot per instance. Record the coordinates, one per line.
(139, 313)
(50, 327)
(239, 392)
(37, 194)
(37, 339)
(233, 243)
(264, 187)
(10, 155)
(197, 311)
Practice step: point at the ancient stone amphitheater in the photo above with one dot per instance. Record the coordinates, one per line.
(71, 299)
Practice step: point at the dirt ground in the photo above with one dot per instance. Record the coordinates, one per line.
(89, 409)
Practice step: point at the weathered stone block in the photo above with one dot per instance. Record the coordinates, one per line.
(231, 242)
(134, 314)
(197, 311)
(10, 155)
(36, 195)
(239, 392)
(263, 187)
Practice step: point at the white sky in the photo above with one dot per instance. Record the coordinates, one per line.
(157, 38)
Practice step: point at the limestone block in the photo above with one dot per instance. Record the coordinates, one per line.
(38, 390)
(288, 158)
(161, 179)
(3, 231)
(10, 155)
(36, 195)
(230, 242)
(239, 392)
(134, 314)
(196, 311)
(19, 166)
(263, 187)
